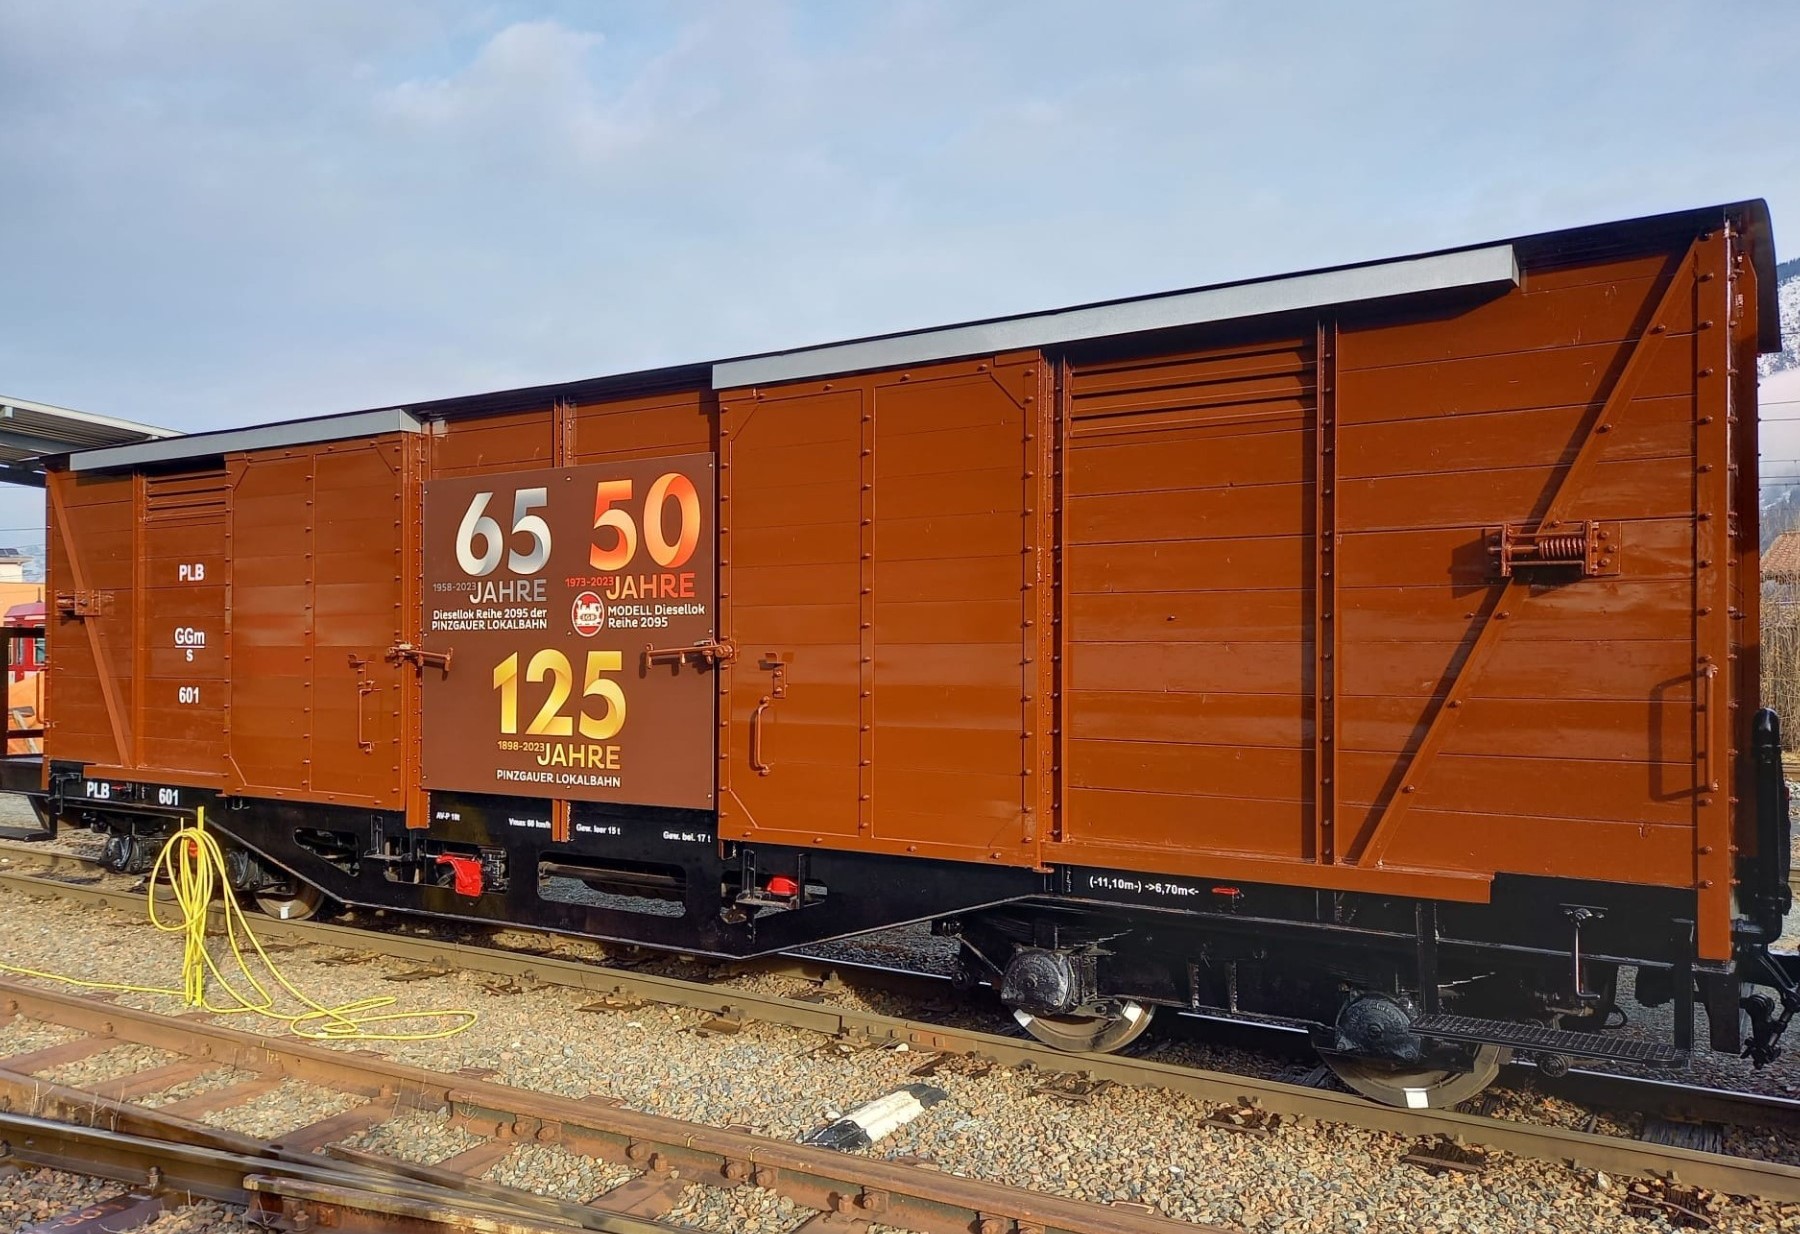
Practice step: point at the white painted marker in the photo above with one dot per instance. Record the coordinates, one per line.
(868, 1123)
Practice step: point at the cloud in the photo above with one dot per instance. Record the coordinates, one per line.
(221, 211)
(530, 90)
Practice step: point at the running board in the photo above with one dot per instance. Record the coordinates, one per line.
(1543, 1040)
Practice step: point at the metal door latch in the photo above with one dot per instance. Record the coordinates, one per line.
(710, 653)
(418, 657)
(84, 603)
(1588, 547)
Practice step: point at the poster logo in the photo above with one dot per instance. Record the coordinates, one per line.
(588, 614)
(552, 582)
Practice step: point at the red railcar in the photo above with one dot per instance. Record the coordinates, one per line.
(1373, 648)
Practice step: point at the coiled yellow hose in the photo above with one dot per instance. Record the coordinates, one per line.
(193, 865)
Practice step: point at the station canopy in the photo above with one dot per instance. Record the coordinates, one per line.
(31, 431)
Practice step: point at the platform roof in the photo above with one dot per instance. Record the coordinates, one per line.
(29, 431)
(1781, 561)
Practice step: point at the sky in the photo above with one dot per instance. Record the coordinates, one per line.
(222, 212)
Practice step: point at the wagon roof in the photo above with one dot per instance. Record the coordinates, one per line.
(1468, 266)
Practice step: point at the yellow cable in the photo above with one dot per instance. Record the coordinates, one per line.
(194, 866)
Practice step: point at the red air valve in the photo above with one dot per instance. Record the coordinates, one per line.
(467, 871)
(782, 885)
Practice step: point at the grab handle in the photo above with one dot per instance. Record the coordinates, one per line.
(1708, 675)
(364, 688)
(756, 737)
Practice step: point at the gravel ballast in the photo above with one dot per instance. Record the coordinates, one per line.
(423, 1137)
(286, 1108)
(1107, 1143)
(211, 1081)
(549, 1170)
(116, 1063)
(28, 1196)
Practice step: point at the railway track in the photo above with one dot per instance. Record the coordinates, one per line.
(1674, 1157)
(656, 1159)
(160, 1171)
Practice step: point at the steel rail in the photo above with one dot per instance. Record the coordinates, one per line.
(327, 1193)
(1612, 1154)
(53, 861)
(1667, 1098)
(97, 1109)
(857, 1188)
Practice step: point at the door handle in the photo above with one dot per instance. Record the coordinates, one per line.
(1709, 673)
(756, 737)
(364, 688)
(777, 669)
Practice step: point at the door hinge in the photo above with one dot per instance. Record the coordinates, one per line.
(1588, 548)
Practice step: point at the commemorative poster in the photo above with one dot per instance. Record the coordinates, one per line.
(571, 599)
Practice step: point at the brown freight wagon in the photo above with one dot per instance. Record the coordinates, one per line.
(1371, 648)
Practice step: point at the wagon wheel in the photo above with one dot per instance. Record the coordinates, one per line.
(296, 901)
(1420, 1088)
(1088, 1034)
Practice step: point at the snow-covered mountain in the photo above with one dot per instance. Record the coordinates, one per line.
(1779, 396)
(1787, 287)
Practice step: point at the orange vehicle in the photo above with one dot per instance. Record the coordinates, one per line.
(1372, 649)
(24, 631)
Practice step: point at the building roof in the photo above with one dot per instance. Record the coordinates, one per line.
(1781, 563)
(31, 431)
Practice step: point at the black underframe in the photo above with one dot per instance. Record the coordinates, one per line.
(1525, 924)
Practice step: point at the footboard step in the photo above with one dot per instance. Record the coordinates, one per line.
(1543, 1040)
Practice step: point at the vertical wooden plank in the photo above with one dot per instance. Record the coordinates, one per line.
(1042, 419)
(309, 687)
(46, 705)
(865, 620)
(134, 757)
(1712, 601)
(410, 620)
(1058, 441)
(562, 450)
(1326, 643)
(1746, 530)
(730, 815)
(235, 467)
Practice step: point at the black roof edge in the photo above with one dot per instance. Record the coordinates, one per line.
(581, 390)
(1759, 230)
